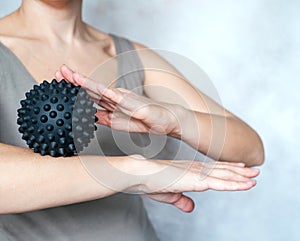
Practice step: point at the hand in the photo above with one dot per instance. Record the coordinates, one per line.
(125, 110)
(193, 177)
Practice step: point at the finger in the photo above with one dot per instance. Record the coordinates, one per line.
(245, 171)
(94, 96)
(104, 98)
(225, 185)
(107, 106)
(113, 95)
(222, 172)
(103, 102)
(92, 87)
(228, 175)
(88, 84)
(79, 78)
(239, 164)
(128, 102)
(67, 73)
(179, 200)
(185, 204)
(58, 75)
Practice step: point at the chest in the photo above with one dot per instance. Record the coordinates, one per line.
(42, 60)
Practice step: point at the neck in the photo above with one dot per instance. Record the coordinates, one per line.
(54, 20)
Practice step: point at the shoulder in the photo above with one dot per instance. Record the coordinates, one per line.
(7, 29)
(5, 32)
(5, 24)
(153, 59)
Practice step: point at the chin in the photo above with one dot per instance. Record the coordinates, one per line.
(59, 3)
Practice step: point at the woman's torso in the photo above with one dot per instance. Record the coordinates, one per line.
(119, 217)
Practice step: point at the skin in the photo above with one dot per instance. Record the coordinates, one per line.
(153, 115)
(42, 47)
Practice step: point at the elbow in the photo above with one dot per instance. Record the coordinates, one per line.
(259, 158)
(257, 155)
(260, 152)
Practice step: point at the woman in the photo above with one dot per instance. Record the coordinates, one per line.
(45, 198)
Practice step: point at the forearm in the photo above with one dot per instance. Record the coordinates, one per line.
(29, 181)
(220, 137)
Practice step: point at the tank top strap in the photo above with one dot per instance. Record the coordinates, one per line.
(131, 74)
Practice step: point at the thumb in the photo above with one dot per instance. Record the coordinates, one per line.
(179, 200)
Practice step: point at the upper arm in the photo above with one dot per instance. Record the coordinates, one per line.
(163, 82)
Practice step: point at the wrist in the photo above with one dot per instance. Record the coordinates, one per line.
(142, 173)
(131, 172)
(179, 115)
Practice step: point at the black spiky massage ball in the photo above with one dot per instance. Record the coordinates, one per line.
(57, 118)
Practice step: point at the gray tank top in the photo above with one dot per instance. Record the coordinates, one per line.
(119, 217)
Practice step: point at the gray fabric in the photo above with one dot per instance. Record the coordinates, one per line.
(119, 217)
(130, 68)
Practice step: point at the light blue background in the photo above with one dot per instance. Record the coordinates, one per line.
(250, 49)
